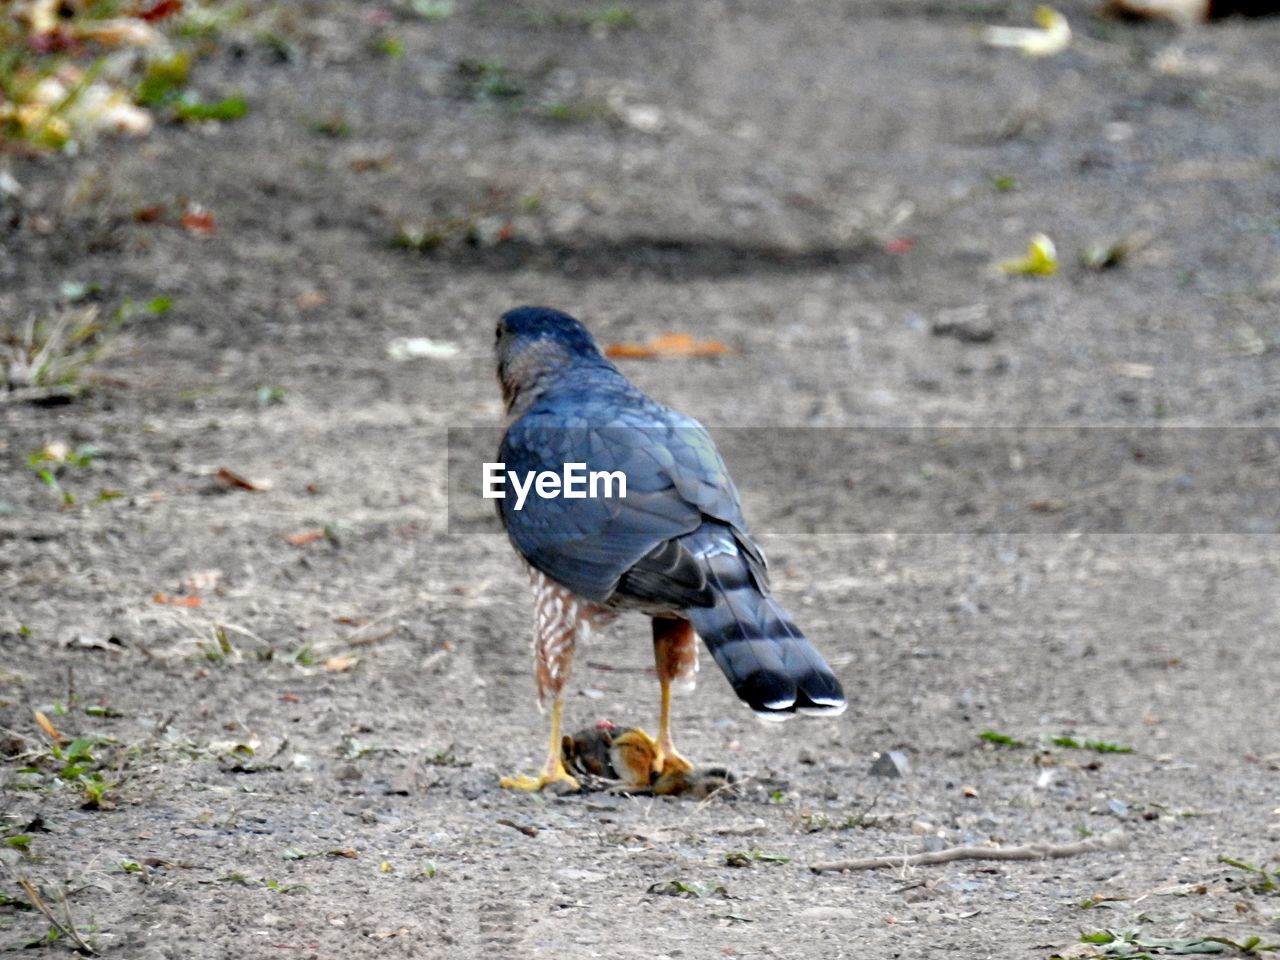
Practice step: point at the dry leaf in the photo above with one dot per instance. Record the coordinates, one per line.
(667, 345)
(119, 32)
(1041, 259)
(340, 664)
(197, 219)
(1046, 506)
(233, 479)
(1135, 371)
(43, 723)
(165, 598)
(302, 537)
(1053, 36)
(161, 10)
(311, 299)
(199, 580)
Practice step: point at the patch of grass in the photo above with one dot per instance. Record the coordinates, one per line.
(270, 396)
(221, 650)
(61, 86)
(1265, 881)
(1099, 746)
(45, 360)
(387, 46)
(189, 107)
(304, 656)
(1004, 183)
(1063, 742)
(292, 889)
(76, 764)
(615, 16)
(431, 236)
(1134, 945)
(999, 739)
(239, 879)
(55, 461)
(574, 111)
(487, 80)
(164, 80)
(335, 126)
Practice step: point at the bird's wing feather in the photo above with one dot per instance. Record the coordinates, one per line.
(598, 546)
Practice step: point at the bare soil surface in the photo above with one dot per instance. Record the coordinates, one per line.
(307, 762)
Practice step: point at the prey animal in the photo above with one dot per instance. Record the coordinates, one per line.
(675, 548)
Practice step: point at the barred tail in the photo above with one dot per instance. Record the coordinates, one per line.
(773, 667)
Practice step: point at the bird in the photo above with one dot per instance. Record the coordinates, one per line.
(622, 757)
(672, 544)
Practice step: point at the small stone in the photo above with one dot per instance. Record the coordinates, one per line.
(891, 763)
(966, 324)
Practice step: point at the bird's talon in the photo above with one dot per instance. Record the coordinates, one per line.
(559, 782)
(672, 763)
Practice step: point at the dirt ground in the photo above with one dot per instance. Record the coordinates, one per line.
(823, 187)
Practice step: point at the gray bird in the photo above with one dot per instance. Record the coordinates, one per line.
(675, 547)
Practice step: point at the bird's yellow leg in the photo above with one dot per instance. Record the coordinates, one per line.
(675, 653)
(553, 770)
(668, 757)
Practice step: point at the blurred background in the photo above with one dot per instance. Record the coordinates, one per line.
(251, 256)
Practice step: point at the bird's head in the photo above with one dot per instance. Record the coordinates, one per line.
(533, 345)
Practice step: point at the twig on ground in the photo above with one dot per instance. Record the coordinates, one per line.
(67, 929)
(1115, 840)
(353, 639)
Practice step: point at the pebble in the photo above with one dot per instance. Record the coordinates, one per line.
(891, 763)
